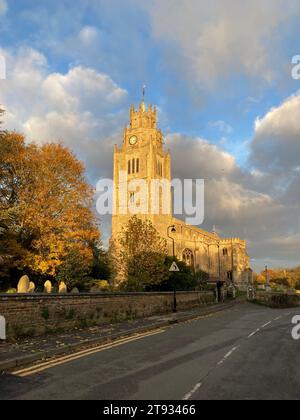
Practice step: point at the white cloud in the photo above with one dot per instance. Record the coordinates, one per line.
(222, 126)
(258, 206)
(215, 40)
(3, 7)
(276, 143)
(205, 160)
(82, 108)
(88, 35)
(82, 88)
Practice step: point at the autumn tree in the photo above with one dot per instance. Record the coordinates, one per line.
(1, 115)
(281, 277)
(138, 256)
(45, 206)
(11, 147)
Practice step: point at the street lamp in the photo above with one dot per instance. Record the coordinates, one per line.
(172, 229)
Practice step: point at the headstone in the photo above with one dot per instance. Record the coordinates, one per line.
(2, 328)
(31, 288)
(62, 288)
(48, 287)
(23, 285)
(251, 293)
(75, 291)
(216, 295)
(232, 291)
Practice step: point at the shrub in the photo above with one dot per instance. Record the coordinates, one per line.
(100, 286)
(283, 300)
(11, 291)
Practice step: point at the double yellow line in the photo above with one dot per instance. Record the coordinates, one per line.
(70, 358)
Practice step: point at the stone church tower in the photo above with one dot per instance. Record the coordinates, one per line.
(142, 157)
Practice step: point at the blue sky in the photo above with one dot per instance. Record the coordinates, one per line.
(124, 48)
(220, 74)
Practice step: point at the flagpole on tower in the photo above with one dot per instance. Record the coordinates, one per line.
(144, 92)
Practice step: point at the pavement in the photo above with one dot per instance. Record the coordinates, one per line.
(243, 352)
(26, 351)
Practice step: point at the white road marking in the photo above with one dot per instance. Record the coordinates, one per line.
(277, 319)
(199, 385)
(230, 352)
(227, 355)
(190, 394)
(69, 358)
(253, 334)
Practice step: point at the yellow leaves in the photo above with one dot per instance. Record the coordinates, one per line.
(261, 279)
(42, 266)
(101, 285)
(51, 204)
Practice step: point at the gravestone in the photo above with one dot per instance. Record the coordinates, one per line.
(75, 291)
(31, 288)
(62, 288)
(2, 328)
(251, 293)
(231, 291)
(23, 285)
(48, 287)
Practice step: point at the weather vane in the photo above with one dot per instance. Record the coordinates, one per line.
(144, 91)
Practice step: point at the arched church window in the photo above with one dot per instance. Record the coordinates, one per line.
(159, 168)
(133, 166)
(137, 166)
(129, 167)
(225, 252)
(188, 257)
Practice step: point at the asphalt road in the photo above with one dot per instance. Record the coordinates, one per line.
(246, 352)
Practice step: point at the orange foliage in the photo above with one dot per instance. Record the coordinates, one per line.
(47, 203)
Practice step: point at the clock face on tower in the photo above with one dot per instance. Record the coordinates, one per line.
(133, 140)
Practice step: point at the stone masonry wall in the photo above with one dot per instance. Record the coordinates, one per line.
(37, 314)
(278, 300)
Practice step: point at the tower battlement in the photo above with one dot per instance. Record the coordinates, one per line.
(233, 241)
(143, 117)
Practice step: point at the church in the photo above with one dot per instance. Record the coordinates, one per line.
(142, 157)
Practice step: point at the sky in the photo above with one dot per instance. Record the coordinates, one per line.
(220, 74)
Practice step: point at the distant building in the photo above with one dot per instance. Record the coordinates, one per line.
(142, 156)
